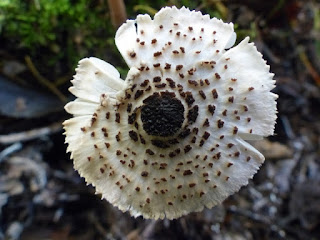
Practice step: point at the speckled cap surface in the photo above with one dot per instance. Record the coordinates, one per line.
(171, 138)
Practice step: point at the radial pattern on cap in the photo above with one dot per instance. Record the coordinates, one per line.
(170, 139)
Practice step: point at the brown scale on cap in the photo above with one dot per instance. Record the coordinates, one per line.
(179, 67)
(171, 135)
(167, 66)
(214, 93)
(157, 54)
(132, 54)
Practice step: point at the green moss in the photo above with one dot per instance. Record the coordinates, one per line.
(63, 30)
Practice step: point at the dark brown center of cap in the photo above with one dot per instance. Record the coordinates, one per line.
(162, 114)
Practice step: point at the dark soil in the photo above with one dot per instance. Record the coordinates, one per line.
(42, 197)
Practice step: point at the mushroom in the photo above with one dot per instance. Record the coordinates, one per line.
(171, 138)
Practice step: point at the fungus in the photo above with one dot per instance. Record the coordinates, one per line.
(171, 138)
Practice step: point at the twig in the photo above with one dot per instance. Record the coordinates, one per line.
(145, 8)
(31, 134)
(9, 150)
(315, 75)
(118, 12)
(62, 80)
(276, 8)
(43, 80)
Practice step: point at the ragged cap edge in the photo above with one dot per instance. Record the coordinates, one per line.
(246, 54)
(95, 77)
(119, 200)
(127, 34)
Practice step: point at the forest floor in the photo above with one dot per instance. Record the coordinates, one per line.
(42, 197)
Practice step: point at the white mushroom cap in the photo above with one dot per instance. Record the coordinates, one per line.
(170, 139)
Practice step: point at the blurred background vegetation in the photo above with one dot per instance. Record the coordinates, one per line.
(42, 197)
